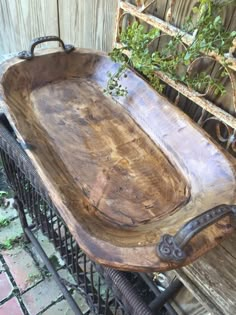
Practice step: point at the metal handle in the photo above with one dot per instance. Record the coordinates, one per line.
(171, 248)
(30, 54)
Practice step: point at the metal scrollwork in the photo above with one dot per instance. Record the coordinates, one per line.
(224, 133)
(169, 250)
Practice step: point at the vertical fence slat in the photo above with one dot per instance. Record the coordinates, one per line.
(23, 20)
(88, 24)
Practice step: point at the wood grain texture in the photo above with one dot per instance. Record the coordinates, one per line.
(88, 24)
(181, 11)
(194, 289)
(5, 57)
(23, 20)
(214, 275)
(121, 172)
(96, 136)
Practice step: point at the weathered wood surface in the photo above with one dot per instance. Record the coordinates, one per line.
(185, 301)
(197, 293)
(88, 24)
(116, 170)
(82, 23)
(212, 278)
(119, 169)
(23, 20)
(5, 57)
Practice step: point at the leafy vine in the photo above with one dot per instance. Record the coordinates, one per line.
(176, 59)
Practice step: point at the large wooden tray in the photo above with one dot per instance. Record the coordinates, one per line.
(122, 172)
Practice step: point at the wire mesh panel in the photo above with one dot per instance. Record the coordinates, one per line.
(105, 290)
(90, 284)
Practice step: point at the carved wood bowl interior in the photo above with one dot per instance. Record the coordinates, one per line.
(121, 171)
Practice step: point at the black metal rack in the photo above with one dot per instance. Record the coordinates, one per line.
(125, 293)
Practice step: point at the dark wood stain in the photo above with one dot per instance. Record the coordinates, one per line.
(122, 172)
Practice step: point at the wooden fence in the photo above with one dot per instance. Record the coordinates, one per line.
(83, 23)
(91, 24)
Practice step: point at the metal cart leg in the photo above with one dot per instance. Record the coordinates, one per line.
(53, 272)
(20, 209)
(29, 237)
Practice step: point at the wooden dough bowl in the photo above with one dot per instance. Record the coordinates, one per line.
(122, 171)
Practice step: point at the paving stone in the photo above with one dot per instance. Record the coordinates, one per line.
(64, 274)
(6, 286)
(11, 307)
(10, 212)
(80, 300)
(49, 249)
(22, 267)
(60, 308)
(63, 308)
(46, 292)
(11, 231)
(41, 296)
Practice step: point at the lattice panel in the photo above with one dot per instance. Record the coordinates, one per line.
(215, 114)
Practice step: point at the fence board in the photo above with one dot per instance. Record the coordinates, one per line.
(23, 20)
(88, 24)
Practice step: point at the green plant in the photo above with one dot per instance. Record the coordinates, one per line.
(176, 59)
(136, 41)
(209, 31)
(54, 260)
(9, 243)
(113, 85)
(4, 222)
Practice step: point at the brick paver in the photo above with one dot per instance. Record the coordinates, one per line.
(41, 296)
(80, 300)
(63, 308)
(47, 246)
(36, 294)
(5, 286)
(11, 231)
(64, 274)
(22, 267)
(60, 308)
(11, 307)
(9, 212)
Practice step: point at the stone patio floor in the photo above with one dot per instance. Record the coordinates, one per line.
(25, 285)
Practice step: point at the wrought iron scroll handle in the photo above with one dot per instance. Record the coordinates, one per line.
(171, 248)
(30, 54)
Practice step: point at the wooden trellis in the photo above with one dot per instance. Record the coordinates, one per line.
(217, 116)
